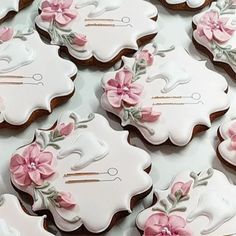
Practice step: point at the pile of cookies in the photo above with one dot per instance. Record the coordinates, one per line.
(85, 175)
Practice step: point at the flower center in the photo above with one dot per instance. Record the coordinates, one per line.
(125, 89)
(32, 166)
(216, 25)
(165, 231)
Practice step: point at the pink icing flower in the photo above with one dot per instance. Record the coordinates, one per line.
(58, 10)
(33, 166)
(147, 114)
(64, 130)
(65, 200)
(232, 134)
(79, 39)
(160, 224)
(6, 34)
(181, 188)
(212, 26)
(146, 56)
(122, 89)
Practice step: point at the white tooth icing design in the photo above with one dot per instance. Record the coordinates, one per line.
(227, 147)
(7, 6)
(15, 222)
(219, 20)
(75, 168)
(203, 203)
(101, 6)
(191, 3)
(163, 97)
(99, 29)
(27, 83)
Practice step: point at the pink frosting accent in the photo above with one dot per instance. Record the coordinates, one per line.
(212, 26)
(33, 166)
(58, 10)
(6, 34)
(232, 134)
(145, 55)
(122, 89)
(160, 224)
(65, 200)
(147, 114)
(184, 188)
(80, 40)
(65, 130)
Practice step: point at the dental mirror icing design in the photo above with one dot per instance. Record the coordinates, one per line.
(32, 79)
(98, 31)
(214, 34)
(14, 221)
(194, 204)
(163, 97)
(227, 147)
(8, 6)
(74, 168)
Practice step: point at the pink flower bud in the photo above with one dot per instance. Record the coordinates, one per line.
(147, 114)
(181, 187)
(6, 34)
(80, 40)
(65, 130)
(145, 55)
(65, 200)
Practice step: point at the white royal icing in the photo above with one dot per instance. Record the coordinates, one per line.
(222, 52)
(105, 43)
(6, 230)
(184, 98)
(89, 150)
(190, 3)
(101, 6)
(209, 208)
(15, 222)
(7, 6)
(44, 76)
(226, 151)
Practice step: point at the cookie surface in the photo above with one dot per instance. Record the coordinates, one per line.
(14, 221)
(214, 34)
(165, 98)
(193, 205)
(186, 5)
(74, 170)
(227, 148)
(33, 78)
(12, 6)
(98, 32)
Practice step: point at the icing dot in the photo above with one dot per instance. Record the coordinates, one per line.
(32, 166)
(165, 231)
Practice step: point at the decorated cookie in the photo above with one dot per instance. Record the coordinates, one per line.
(74, 170)
(186, 5)
(14, 221)
(97, 32)
(163, 97)
(227, 147)
(10, 7)
(33, 78)
(214, 34)
(193, 205)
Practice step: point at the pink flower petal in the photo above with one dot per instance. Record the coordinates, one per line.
(114, 99)
(45, 170)
(160, 219)
(35, 177)
(176, 222)
(16, 162)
